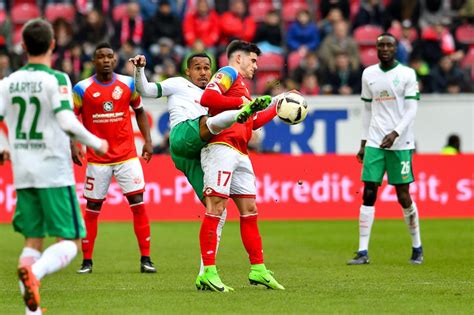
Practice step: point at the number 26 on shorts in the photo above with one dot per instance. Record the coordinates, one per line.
(223, 178)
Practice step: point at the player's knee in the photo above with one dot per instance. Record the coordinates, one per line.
(135, 199)
(403, 196)
(93, 205)
(370, 196)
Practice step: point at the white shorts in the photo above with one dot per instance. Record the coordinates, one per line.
(227, 172)
(129, 176)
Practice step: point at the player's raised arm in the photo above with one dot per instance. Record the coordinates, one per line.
(145, 88)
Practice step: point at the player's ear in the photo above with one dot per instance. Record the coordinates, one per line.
(186, 72)
(53, 44)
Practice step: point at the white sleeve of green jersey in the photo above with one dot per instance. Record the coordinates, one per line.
(170, 86)
(366, 94)
(145, 88)
(411, 87)
(61, 93)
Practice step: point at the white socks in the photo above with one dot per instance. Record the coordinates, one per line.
(411, 219)
(366, 219)
(54, 258)
(220, 226)
(221, 121)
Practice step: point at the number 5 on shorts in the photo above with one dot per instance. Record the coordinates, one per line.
(89, 183)
(220, 175)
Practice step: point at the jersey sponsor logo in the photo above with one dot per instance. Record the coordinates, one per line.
(385, 96)
(96, 94)
(117, 93)
(108, 106)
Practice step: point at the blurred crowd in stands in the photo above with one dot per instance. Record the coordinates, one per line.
(316, 46)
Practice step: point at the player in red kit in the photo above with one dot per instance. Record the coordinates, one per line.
(227, 168)
(103, 101)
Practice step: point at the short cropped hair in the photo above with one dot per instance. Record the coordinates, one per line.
(241, 45)
(103, 45)
(197, 55)
(389, 35)
(37, 35)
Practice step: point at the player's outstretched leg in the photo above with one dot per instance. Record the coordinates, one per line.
(258, 104)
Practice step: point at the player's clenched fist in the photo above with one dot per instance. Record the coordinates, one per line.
(138, 61)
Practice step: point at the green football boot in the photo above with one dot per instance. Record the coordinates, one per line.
(210, 280)
(258, 104)
(260, 275)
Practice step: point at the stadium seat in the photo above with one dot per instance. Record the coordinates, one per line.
(465, 34)
(16, 38)
(54, 11)
(366, 35)
(23, 12)
(258, 10)
(3, 16)
(368, 56)
(290, 9)
(468, 60)
(271, 62)
(119, 11)
(294, 59)
(397, 32)
(222, 60)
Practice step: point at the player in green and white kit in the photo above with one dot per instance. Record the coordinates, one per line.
(191, 127)
(36, 103)
(390, 94)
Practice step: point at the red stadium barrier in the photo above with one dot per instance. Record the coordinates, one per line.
(293, 187)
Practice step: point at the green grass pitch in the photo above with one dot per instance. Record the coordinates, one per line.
(308, 258)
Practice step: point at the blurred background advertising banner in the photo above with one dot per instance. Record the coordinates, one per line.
(333, 125)
(290, 187)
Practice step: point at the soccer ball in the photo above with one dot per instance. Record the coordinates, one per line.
(292, 108)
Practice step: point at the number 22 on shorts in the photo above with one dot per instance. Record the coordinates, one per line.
(223, 178)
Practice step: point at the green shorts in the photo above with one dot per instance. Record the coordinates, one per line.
(44, 212)
(185, 150)
(397, 163)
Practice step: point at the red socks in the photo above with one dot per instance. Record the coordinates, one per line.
(208, 239)
(251, 238)
(91, 227)
(141, 226)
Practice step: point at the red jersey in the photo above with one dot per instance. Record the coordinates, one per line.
(105, 112)
(228, 82)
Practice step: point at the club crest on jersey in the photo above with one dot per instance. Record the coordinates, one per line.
(108, 106)
(396, 81)
(117, 93)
